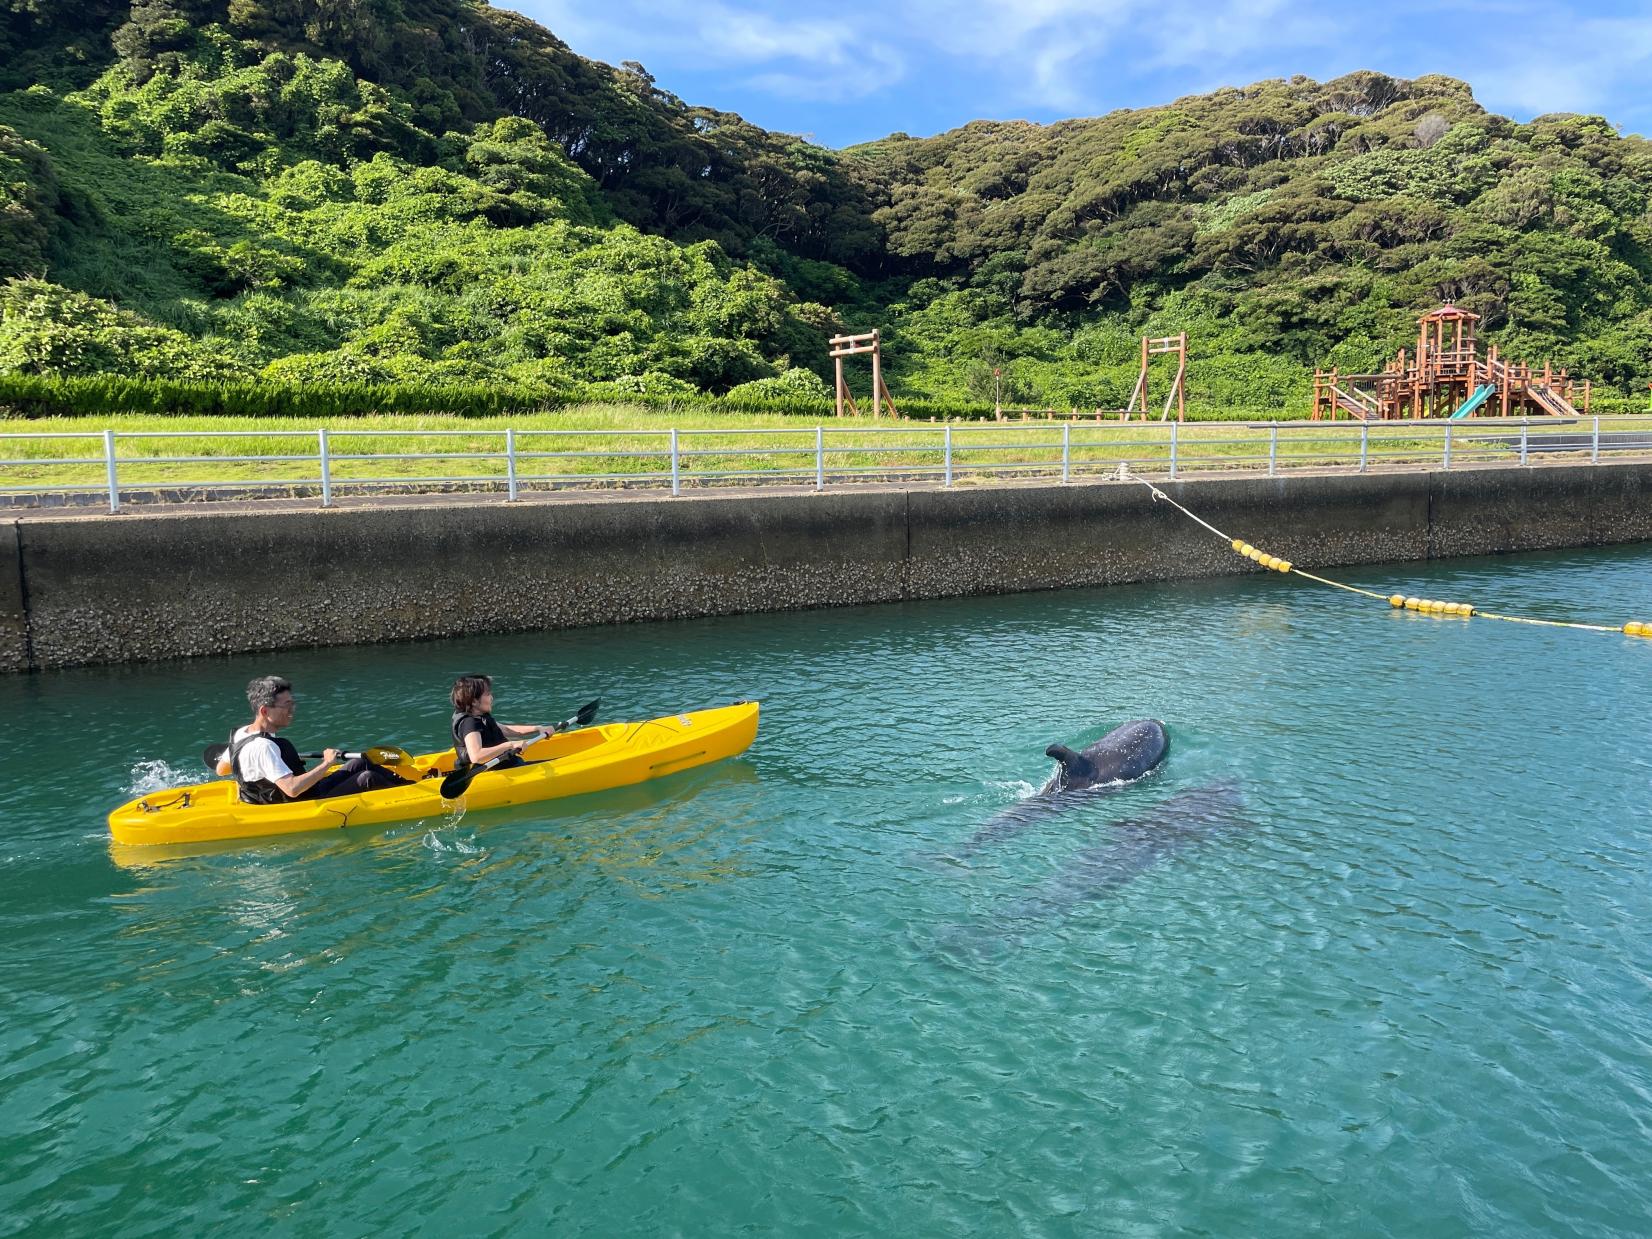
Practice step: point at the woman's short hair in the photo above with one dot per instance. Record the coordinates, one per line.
(468, 690)
(263, 691)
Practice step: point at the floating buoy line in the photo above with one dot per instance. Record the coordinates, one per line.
(1423, 606)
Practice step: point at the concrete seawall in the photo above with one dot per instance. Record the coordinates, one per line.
(91, 589)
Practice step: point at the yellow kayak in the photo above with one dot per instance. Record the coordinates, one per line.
(570, 763)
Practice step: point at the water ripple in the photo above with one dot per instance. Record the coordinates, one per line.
(1404, 990)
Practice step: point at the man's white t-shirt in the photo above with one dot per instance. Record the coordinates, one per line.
(260, 759)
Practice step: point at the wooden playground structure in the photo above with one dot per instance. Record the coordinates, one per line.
(1155, 347)
(1151, 347)
(1446, 377)
(849, 346)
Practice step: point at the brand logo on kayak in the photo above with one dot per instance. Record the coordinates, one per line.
(685, 720)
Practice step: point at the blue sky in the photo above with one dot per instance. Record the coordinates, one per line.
(924, 66)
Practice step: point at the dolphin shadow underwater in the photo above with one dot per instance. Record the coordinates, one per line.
(1116, 853)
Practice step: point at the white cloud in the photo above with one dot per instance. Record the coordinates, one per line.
(1056, 53)
(1582, 66)
(1077, 57)
(708, 33)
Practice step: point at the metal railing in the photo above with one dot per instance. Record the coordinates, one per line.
(127, 467)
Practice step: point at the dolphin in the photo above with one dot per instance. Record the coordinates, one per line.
(1124, 754)
(1116, 854)
(1127, 752)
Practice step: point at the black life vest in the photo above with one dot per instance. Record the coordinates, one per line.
(491, 733)
(262, 791)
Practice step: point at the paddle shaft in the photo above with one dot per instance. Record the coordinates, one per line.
(382, 754)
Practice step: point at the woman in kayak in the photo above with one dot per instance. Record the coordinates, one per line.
(477, 737)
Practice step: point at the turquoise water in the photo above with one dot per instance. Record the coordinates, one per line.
(1405, 988)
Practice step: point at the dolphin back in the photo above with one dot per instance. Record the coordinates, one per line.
(1127, 752)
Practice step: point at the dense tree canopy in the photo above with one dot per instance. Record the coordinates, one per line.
(384, 190)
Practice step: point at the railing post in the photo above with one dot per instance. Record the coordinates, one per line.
(325, 456)
(949, 453)
(1066, 451)
(1594, 445)
(1364, 444)
(109, 461)
(820, 458)
(1446, 464)
(510, 464)
(1273, 449)
(676, 476)
(1525, 426)
(1173, 426)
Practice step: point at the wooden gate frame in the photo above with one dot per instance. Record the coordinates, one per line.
(849, 346)
(1155, 347)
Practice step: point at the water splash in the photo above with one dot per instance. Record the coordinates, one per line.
(1019, 789)
(154, 776)
(464, 847)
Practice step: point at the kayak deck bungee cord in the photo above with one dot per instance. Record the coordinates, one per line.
(1423, 606)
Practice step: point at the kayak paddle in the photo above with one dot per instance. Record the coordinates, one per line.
(379, 754)
(455, 784)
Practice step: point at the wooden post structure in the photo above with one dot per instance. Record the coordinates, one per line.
(848, 346)
(1154, 347)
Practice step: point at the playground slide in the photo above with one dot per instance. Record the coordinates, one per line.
(1475, 401)
(1353, 407)
(1552, 401)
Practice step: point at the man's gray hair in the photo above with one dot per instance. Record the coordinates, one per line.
(263, 691)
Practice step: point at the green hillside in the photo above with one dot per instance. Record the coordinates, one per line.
(433, 193)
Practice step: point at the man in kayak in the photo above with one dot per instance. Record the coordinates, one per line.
(477, 738)
(268, 769)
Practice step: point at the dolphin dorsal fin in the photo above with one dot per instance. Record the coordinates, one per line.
(1072, 764)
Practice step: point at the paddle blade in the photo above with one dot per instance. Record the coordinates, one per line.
(388, 755)
(455, 784)
(212, 754)
(587, 712)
